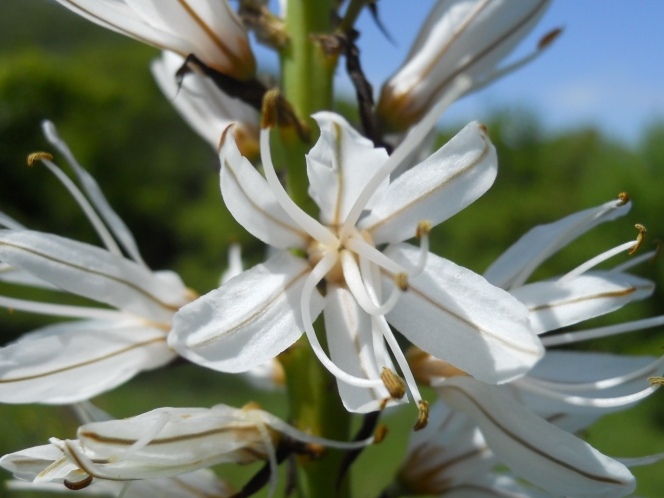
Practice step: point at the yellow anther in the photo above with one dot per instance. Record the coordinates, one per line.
(423, 228)
(401, 281)
(38, 156)
(381, 432)
(623, 197)
(656, 381)
(639, 238)
(394, 384)
(423, 416)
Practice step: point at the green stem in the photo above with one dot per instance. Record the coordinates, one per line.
(307, 73)
(315, 407)
(307, 84)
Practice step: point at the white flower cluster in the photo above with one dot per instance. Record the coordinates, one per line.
(508, 409)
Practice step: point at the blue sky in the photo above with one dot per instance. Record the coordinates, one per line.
(606, 69)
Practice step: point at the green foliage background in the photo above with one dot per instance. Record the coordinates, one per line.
(162, 179)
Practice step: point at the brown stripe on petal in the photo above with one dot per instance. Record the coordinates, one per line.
(84, 363)
(601, 295)
(131, 285)
(534, 449)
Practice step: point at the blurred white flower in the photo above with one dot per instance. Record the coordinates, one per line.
(206, 108)
(445, 309)
(459, 37)
(73, 361)
(211, 31)
(161, 444)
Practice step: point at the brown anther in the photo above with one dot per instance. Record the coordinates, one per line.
(623, 197)
(484, 128)
(270, 114)
(656, 381)
(548, 38)
(401, 281)
(78, 485)
(380, 433)
(394, 384)
(423, 228)
(38, 156)
(423, 416)
(639, 238)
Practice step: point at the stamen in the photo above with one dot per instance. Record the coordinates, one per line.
(631, 263)
(38, 156)
(354, 281)
(88, 210)
(423, 415)
(639, 238)
(601, 384)
(271, 455)
(60, 309)
(615, 402)
(384, 328)
(572, 337)
(394, 384)
(78, 485)
(366, 250)
(317, 274)
(401, 281)
(600, 258)
(656, 381)
(422, 233)
(162, 421)
(306, 222)
(594, 217)
(113, 222)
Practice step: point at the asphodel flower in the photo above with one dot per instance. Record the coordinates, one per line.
(162, 443)
(581, 293)
(211, 31)
(75, 360)
(459, 37)
(204, 106)
(355, 264)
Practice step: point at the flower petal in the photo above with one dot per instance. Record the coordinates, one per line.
(92, 272)
(207, 109)
(558, 303)
(457, 316)
(349, 338)
(436, 189)
(247, 321)
(535, 449)
(74, 361)
(339, 166)
(251, 201)
(516, 264)
(210, 30)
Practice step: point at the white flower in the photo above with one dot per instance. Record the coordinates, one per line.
(73, 361)
(459, 37)
(580, 294)
(533, 448)
(206, 108)
(160, 444)
(445, 309)
(211, 31)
